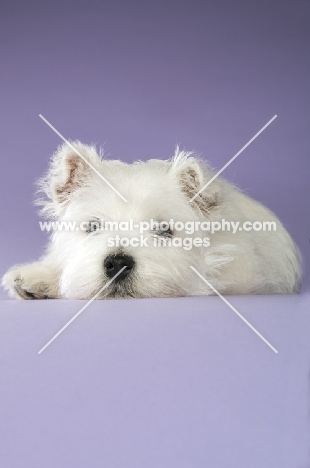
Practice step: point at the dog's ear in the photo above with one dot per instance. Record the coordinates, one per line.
(70, 169)
(192, 175)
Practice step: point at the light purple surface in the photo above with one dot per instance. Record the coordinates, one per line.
(169, 383)
(177, 383)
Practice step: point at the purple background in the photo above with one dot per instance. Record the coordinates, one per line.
(174, 383)
(162, 383)
(141, 76)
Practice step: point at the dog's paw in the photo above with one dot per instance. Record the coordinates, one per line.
(21, 282)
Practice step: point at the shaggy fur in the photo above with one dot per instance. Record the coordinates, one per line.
(73, 266)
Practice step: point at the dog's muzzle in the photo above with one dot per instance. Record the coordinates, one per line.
(114, 263)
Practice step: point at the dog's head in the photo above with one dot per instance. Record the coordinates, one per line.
(90, 191)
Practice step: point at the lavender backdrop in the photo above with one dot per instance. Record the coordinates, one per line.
(140, 77)
(159, 383)
(175, 383)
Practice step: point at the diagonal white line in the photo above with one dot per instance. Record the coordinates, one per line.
(84, 159)
(234, 310)
(81, 310)
(232, 159)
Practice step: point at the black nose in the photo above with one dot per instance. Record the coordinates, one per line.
(114, 263)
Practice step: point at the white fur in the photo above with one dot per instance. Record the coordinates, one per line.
(241, 263)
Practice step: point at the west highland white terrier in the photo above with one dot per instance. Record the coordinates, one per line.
(219, 232)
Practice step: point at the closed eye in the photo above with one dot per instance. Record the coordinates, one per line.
(93, 226)
(163, 233)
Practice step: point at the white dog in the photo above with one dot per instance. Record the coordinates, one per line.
(79, 262)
